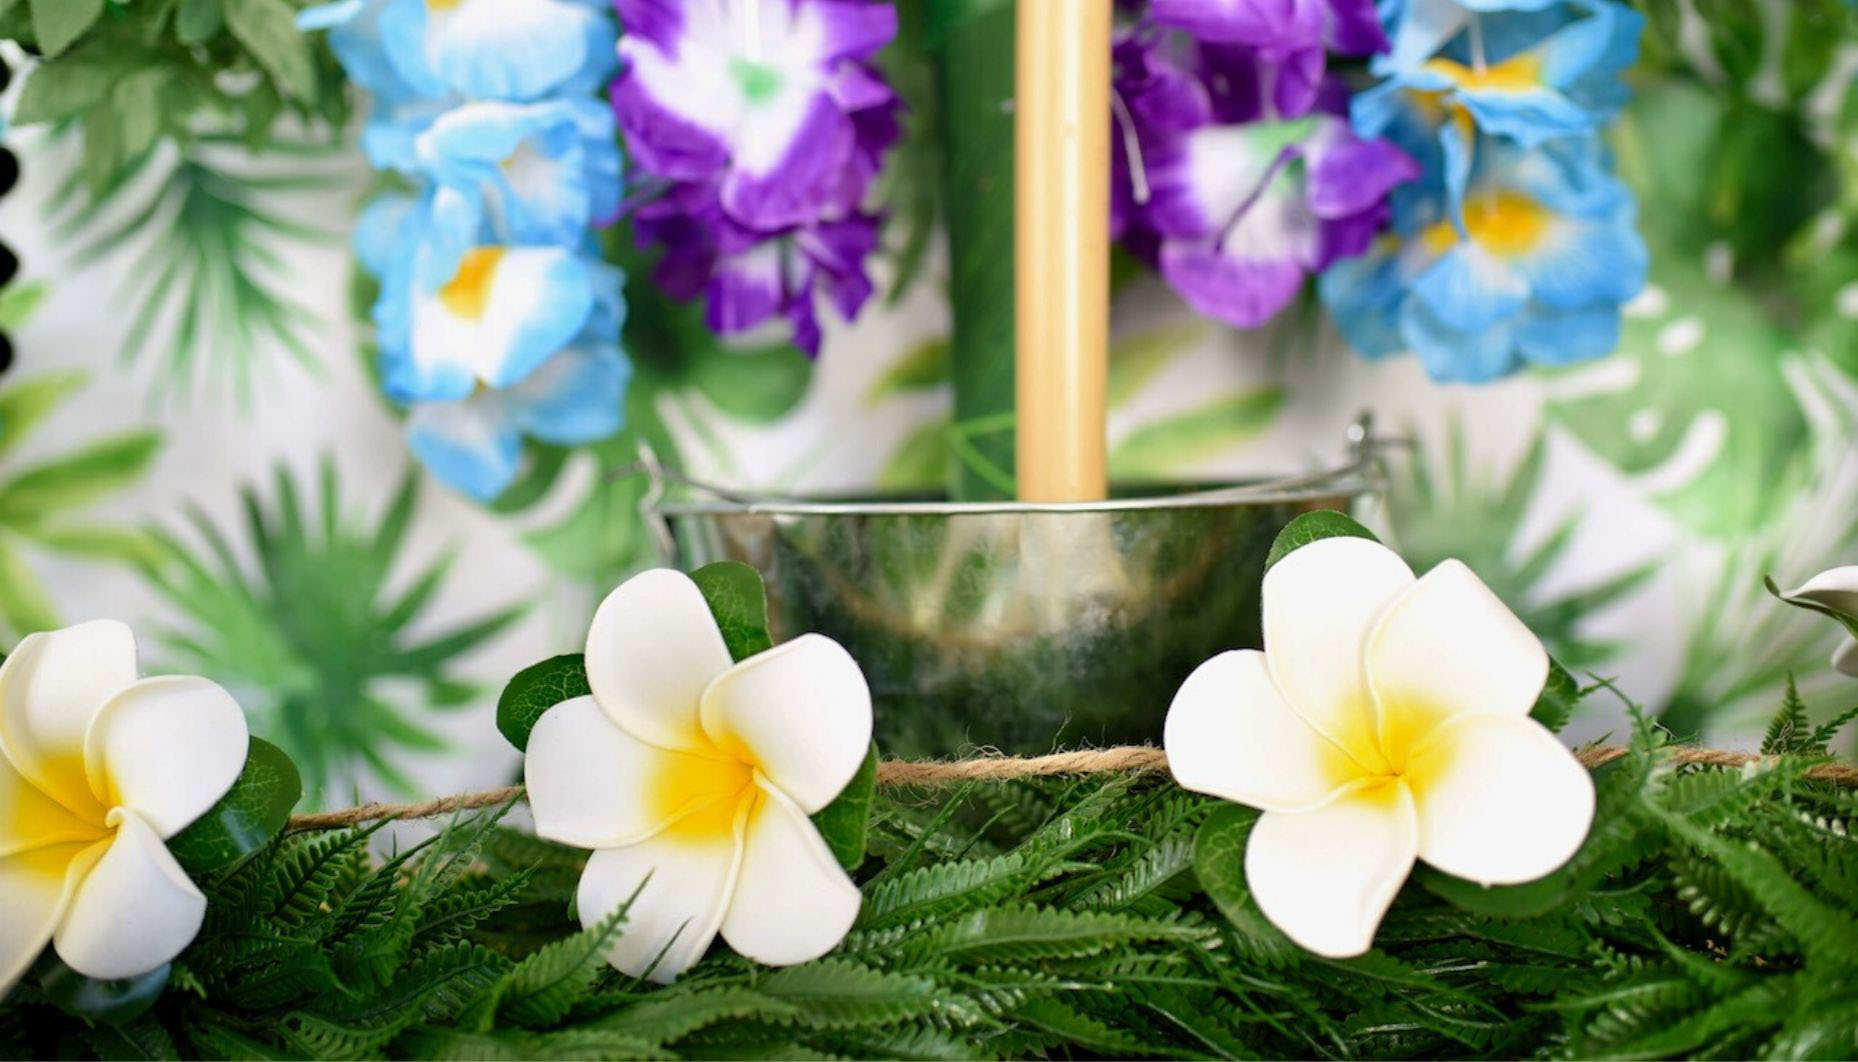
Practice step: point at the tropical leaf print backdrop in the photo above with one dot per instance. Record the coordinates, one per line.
(192, 439)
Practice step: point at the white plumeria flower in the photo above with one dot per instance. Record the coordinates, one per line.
(1835, 593)
(692, 778)
(1387, 719)
(97, 770)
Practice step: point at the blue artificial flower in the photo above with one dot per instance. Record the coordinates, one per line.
(539, 172)
(475, 444)
(469, 49)
(1528, 71)
(456, 315)
(1526, 262)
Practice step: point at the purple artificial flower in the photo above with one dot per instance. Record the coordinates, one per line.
(772, 101)
(748, 277)
(1237, 173)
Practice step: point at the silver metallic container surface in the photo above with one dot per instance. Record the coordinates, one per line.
(1022, 627)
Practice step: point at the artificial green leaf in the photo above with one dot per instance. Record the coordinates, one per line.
(1312, 527)
(534, 690)
(112, 1002)
(57, 24)
(252, 812)
(845, 822)
(198, 20)
(920, 461)
(29, 401)
(740, 603)
(77, 478)
(1163, 448)
(923, 366)
(103, 543)
(17, 301)
(24, 604)
(605, 534)
(760, 385)
(1219, 867)
(59, 90)
(1136, 358)
(269, 29)
(1559, 696)
(1527, 900)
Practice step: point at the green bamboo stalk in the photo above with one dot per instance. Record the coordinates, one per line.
(973, 50)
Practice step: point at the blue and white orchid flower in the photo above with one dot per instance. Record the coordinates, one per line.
(1528, 70)
(469, 49)
(475, 444)
(1528, 262)
(532, 172)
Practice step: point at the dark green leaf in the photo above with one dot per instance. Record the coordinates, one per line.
(269, 29)
(77, 478)
(1219, 866)
(923, 366)
(198, 20)
(845, 822)
(1313, 527)
(64, 88)
(114, 1002)
(252, 812)
(59, 23)
(534, 690)
(740, 603)
(759, 386)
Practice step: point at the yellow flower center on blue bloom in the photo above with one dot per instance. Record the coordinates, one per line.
(1504, 223)
(1516, 74)
(467, 293)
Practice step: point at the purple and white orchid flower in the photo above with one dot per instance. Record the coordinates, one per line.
(761, 97)
(1237, 173)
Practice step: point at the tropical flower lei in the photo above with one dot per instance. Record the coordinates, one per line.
(496, 318)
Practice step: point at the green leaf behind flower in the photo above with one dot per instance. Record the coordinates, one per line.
(250, 814)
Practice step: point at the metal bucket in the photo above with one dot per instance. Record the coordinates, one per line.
(1021, 627)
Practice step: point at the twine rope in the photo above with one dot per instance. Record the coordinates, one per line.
(997, 768)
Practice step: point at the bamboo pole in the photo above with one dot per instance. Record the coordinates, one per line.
(1061, 247)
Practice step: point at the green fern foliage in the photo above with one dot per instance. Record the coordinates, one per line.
(1712, 913)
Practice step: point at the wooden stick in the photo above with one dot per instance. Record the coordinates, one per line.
(1061, 248)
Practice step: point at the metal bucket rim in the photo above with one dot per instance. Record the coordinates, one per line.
(1354, 477)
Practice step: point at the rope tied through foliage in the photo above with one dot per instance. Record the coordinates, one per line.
(1133, 758)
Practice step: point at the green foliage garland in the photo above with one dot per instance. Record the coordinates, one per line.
(1712, 913)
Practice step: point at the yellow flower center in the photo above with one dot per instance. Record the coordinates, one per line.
(1408, 748)
(1515, 74)
(468, 292)
(701, 794)
(1504, 223)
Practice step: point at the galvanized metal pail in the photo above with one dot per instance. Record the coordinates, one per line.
(1022, 627)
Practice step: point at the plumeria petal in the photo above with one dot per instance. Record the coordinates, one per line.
(35, 820)
(1320, 604)
(1835, 589)
(1845, 657)
(167, 747)
(801, 712)
(35, 889)
(1230, 734)
(1499, 799)
(652, 648)
(593, 785)
(135, 910)
(682, 886)
(1326, 877)
(792, 902)
(51, 686)
(1449, 647)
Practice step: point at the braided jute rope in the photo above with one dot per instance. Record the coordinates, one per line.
(1000, 768)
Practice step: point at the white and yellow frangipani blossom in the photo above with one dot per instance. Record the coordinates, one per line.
(1834, 592)
(1387, 719)
(692, 778)
(97, 769)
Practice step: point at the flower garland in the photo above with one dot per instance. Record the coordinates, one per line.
(756, 129)
(497, 319)
(1517, 245)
